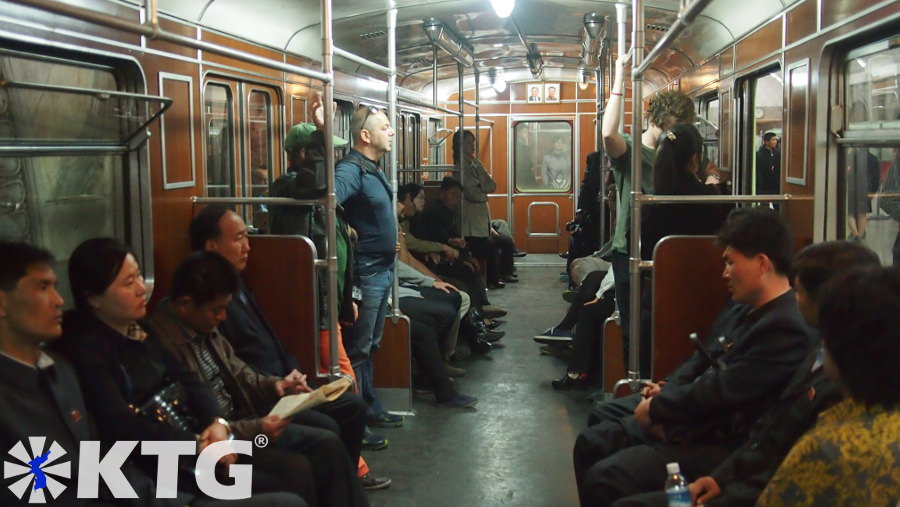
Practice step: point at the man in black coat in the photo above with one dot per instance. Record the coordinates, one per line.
(705, 410)
(741, 478)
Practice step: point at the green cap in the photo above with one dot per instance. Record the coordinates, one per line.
(301, 136)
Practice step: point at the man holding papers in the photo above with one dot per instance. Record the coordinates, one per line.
(187, 324)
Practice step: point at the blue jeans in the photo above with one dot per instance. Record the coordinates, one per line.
(376, 287)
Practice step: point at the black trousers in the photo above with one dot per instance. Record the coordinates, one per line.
(430, 319)
(465, 279)
(615, 459)
(496, 253)
(587, 292)
(277, 470)
(315, 434)
(587, 347)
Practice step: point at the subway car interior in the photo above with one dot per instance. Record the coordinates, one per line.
(126, 118)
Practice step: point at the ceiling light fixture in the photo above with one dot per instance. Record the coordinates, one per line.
(503, 8)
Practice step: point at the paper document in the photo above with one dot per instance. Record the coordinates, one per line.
(292, 404)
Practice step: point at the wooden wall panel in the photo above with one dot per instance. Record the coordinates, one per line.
(179, 28)
(835, 11)
(801, 21)
(246, 48)
(764, 41)
(177, 125)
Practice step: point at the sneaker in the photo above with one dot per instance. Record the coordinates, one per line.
(370, 482)
(374, 441)
(568, 382)
(555, 336)
(385, 420)
(459, 401)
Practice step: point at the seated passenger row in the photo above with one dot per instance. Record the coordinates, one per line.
(729, 419)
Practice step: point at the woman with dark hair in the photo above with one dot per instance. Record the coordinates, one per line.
(850, 456)
(137, 390)
(674, 173)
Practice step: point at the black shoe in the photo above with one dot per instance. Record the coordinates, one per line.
(492, 336)
(510, 279)
(371, 483)
(481, 347)
(496, 285)
(494, 324)
(519, 253)
(567, 382)
(564, 255)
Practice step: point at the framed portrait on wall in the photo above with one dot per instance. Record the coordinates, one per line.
(534, 92)
(551, 93)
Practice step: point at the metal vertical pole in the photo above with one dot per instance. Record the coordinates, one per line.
(621, 19)
(600, 90)
(392, 116)
(637, 104)
(477, 113)
(334, 368)
(434, 75)
(460, 70)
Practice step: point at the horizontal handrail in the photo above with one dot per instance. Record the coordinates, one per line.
(285, 201)
(723, 199)
(360, 60)
(685, 17)
(155, 32)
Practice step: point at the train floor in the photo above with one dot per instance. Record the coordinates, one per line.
(515, 448)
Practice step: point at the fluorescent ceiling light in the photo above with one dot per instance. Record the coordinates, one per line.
(499, 84)
(503, 8)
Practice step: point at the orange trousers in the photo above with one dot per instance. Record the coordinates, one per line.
(325, 361)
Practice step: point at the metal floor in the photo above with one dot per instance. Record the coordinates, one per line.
(516, 447)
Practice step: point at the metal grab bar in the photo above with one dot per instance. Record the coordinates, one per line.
(155, 32)
(685, 16)
(286, 201)
(360, 60)
(721, 199)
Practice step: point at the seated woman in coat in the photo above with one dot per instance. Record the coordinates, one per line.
(122, 369)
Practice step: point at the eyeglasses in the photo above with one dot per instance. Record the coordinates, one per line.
(370, 110)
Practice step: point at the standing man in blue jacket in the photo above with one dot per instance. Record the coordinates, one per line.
(364, 192)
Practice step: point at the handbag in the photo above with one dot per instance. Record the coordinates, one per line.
(168, 406)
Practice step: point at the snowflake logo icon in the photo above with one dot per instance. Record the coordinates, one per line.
(39, 469)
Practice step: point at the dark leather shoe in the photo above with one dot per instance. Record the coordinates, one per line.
(566, 383)
(496, 285)
(481, 347)
(494, 324)
(519, 253)
(492, 336)
(510, 279)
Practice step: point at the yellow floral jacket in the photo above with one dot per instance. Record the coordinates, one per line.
(851, 457)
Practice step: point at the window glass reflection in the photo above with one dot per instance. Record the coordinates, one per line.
(543, 156)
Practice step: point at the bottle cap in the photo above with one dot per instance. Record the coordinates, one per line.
(672, 468)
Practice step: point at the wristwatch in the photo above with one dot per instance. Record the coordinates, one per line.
(223, 422)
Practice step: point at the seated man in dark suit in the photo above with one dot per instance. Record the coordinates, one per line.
(740, 479)
(705, 410)
(218, 229)
(40, 395)
(187, 325)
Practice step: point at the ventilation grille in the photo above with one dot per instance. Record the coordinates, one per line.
(657, 28)
(372, 35)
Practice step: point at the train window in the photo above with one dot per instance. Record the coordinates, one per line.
(709, 127)
(543, 156)
(871, 169)
(764, 137)
(259, 130)
(219, 121)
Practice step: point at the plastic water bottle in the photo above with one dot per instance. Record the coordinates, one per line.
(676, 487)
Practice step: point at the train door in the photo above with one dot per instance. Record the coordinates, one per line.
(761, 115)
(241, 125)
(543, 183)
